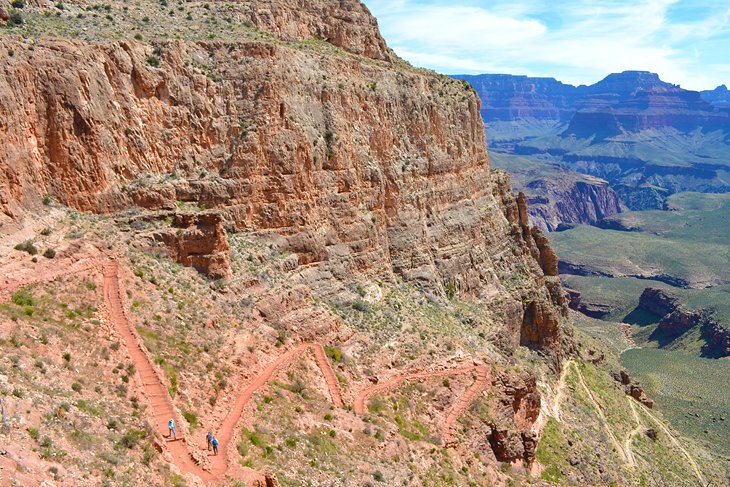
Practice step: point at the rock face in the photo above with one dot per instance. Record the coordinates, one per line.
(511, 435)
(357, 165)
(647, 138)
(506, 97)
(658, 301)
(633, 388)
(571, 199)
(199, 241)
(634, 101)
(717, 337)
(677, 319)
(622, 102)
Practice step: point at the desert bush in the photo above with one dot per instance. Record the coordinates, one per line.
(27, 246)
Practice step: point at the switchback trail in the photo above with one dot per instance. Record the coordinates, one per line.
(228, 427)
(463, 403)
(676, 443)
(628, 448)
(448, 428)
(604, 421)
(160, 404)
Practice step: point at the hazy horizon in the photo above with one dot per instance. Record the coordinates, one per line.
(581, 42)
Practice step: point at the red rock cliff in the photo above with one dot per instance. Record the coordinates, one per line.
(355, 162)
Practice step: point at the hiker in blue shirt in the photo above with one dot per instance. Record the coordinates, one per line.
(209, 438)
(171, 425)
(214, 442)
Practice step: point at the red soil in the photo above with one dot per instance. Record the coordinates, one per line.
(448, 428)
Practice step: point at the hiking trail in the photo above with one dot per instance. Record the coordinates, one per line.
(676, 443)
(227, 429)
(560, 390)
(604, 421)
(158, 397)
(449, 426)
(628, 448)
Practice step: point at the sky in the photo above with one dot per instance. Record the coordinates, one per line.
(578, 42)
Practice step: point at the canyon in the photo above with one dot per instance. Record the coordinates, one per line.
(217, 190)
(643, 138)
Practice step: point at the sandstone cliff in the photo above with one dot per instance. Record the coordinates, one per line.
(352, 162)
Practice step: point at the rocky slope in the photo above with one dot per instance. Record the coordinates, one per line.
(353, 248)
(307, 136)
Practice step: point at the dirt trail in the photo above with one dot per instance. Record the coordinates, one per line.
(676, 443)
(628, 448)
(160, 404)
(604, 420)
(329, 375)
(560, 390)
(448, 428)
(226, 431)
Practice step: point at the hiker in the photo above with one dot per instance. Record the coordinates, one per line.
(171, 425)
(214, 442)
(209, 437)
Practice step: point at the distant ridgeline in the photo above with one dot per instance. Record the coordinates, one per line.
(646, 137)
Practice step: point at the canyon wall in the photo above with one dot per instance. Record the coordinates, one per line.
(330, 148)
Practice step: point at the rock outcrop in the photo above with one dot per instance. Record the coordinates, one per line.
(512, 436)
(633, 388)
(199, 241)
(717, 337)
(677, 319)
(658, 301)
(571, 198)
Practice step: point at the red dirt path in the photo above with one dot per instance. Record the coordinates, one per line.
(160, 404)
(448, 428)
(161, 407)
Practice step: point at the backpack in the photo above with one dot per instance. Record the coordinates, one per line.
(171, 424)
(215, 442)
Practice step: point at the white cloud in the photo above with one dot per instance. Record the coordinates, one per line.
(578, 41)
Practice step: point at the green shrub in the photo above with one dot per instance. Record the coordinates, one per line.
(15, 18)
(378, 476)
(76, 387)
(11, 52)
(153, 61)
(46, 231)
(191, 418)
(334, 353)
(22, 297)
(131, 438)
(18, 3)
(49, 253)
(34, 433)
(27, 246)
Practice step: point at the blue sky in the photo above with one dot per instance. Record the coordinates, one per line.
(579, 42)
